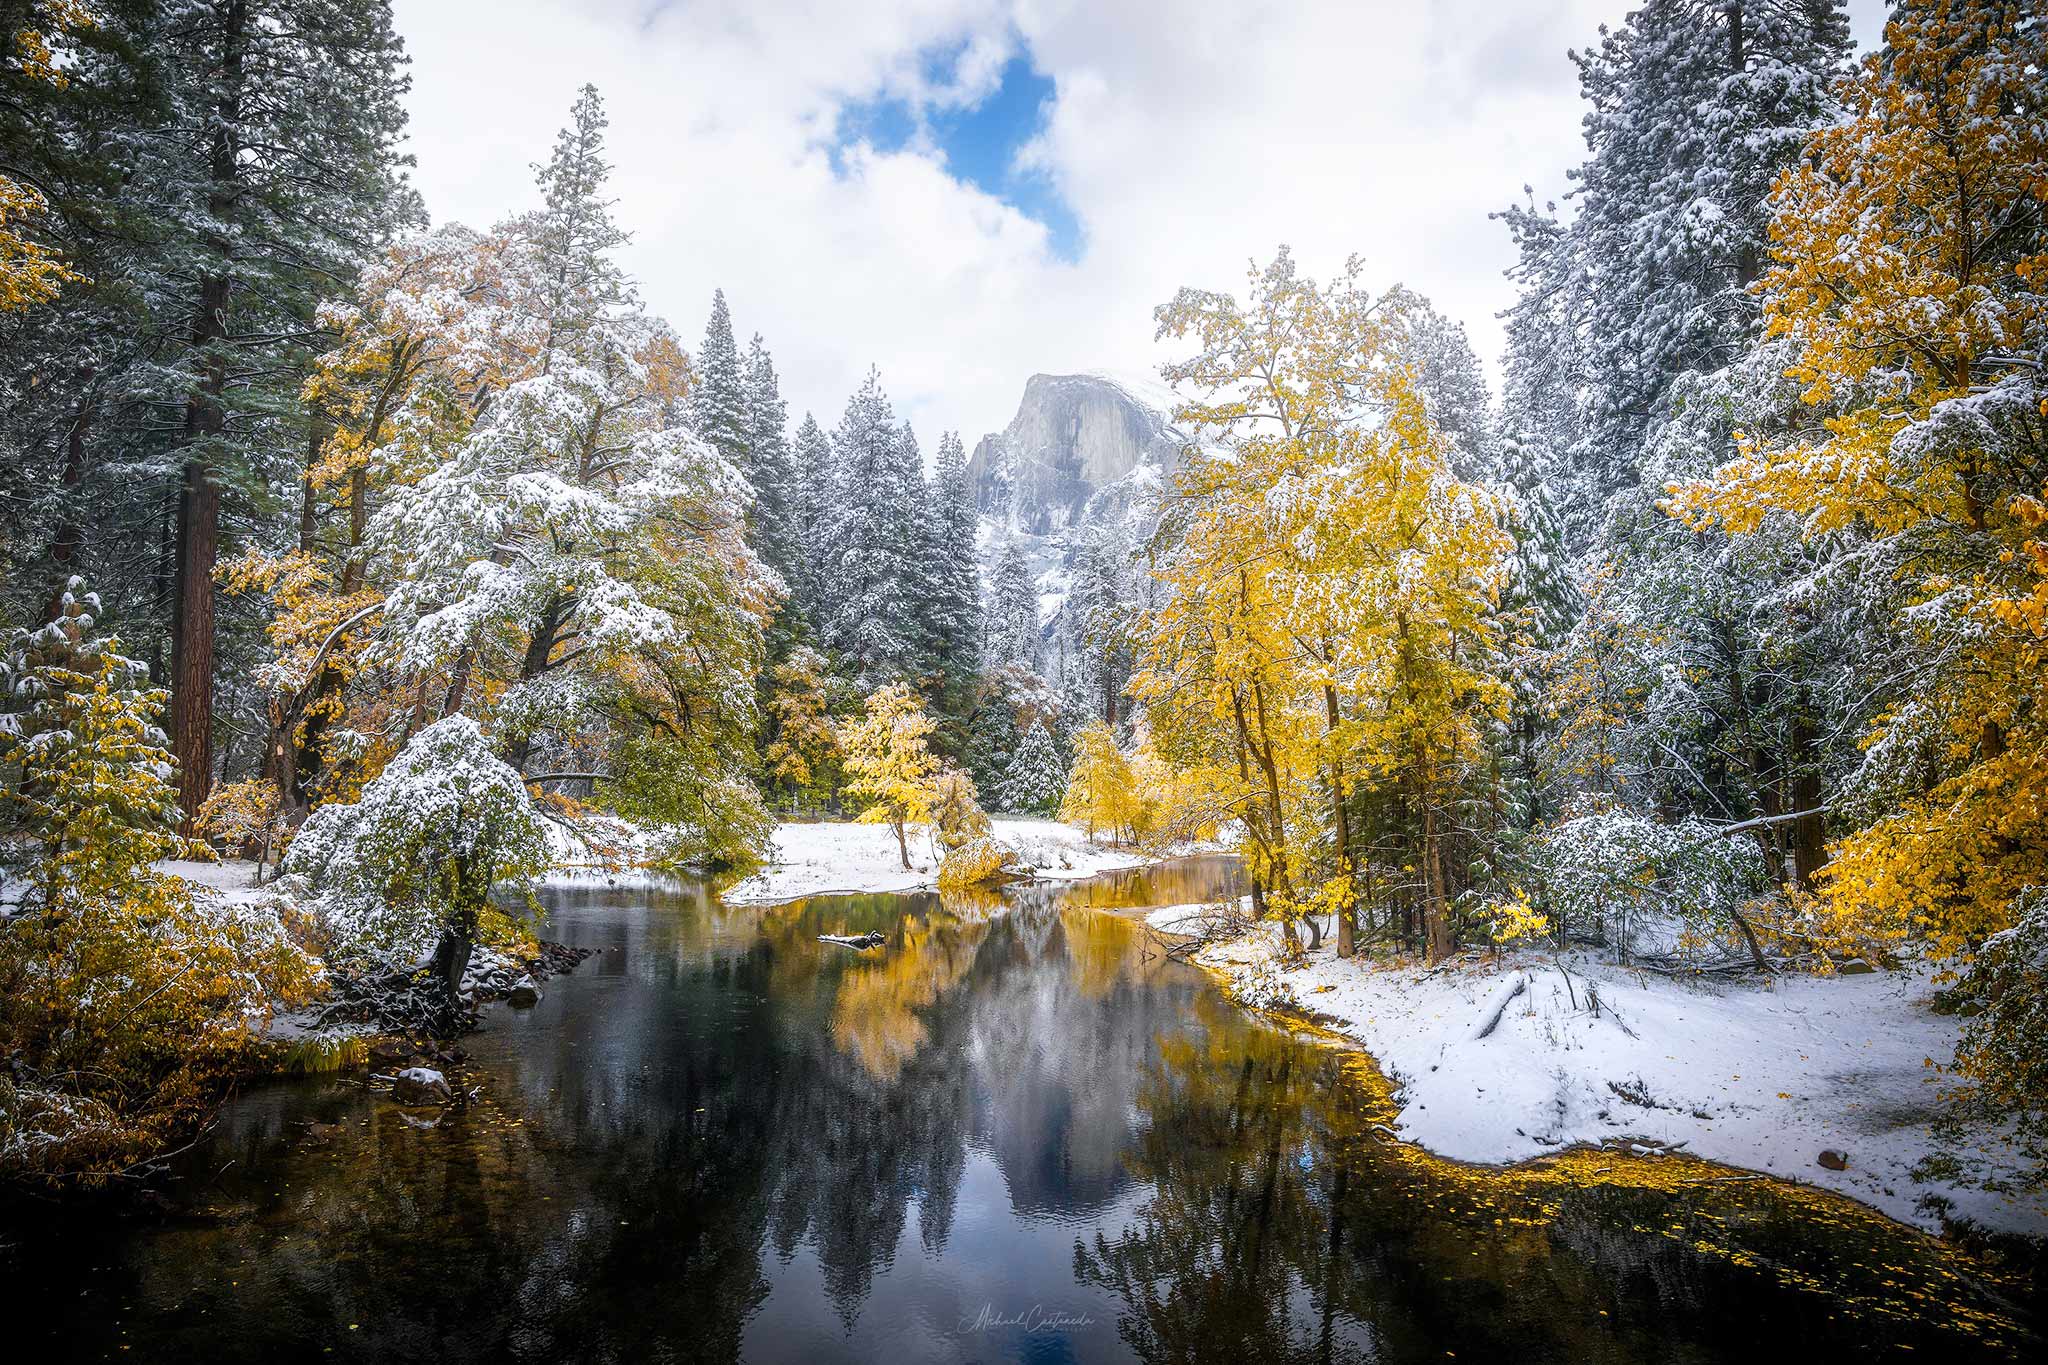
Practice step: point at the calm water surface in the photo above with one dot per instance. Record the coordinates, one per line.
(1019, 1133)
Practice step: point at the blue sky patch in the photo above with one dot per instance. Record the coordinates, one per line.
(979, 143)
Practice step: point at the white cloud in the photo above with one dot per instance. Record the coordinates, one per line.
(1187, 138)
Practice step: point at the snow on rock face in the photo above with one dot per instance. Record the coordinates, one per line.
(1074, 437)
(1498, 1061)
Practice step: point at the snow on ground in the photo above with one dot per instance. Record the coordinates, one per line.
(1205, 920)
(816, 859)
(1501, 1060)
(233, 878)
(1177, 918)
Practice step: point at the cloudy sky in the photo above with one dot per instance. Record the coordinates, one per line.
(965, 192)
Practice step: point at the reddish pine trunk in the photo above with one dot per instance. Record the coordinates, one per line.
(205, 420)
(192, 637)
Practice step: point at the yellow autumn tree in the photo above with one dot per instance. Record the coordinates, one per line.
(890, 768)
(1332, 584)
(801, 756)
(386, 403)
(1908, 283)
(1102, 789)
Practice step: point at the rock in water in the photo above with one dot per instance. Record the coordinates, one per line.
(524, 995)
(421, 1085)
(1834, 1160)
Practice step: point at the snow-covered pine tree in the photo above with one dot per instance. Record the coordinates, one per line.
(1541, 594)
(718, 405)
(1694, 109)
(1095, 624)
(810, 500)
(1542, 397)
(771, 466)
(992, 738)
(868, 610)
(1011, 630)
(952, 603)
(1036, 780)
(1454, 390)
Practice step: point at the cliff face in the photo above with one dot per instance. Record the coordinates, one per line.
(1077, 440)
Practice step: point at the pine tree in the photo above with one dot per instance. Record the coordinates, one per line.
(297, 105)
(1011, 632)
(1693, 110)
(1036, 780)
(810, 505)
(992, 737)
(777, 535)
(1453, 387)
(1096, 620)
(867, 604)
(1912, 309)
(718, 406)
(221, 167)
(952, 616)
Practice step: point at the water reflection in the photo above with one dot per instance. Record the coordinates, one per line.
(1016, 1132)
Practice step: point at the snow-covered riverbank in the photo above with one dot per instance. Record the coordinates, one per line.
(1499, 1060)
(827, 856)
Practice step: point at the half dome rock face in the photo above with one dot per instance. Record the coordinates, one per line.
(1075, 436)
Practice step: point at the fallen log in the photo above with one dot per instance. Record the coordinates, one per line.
(871, 939)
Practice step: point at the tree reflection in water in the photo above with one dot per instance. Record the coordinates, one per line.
(721, 1139)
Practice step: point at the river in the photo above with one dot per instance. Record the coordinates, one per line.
(1018, 1132)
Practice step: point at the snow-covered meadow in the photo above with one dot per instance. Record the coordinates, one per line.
(1499, 1059)
(812, 859)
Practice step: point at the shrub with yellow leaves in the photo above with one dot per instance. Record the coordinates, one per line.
(971, 864)
(125, 1001)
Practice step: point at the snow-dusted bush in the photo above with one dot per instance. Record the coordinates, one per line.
(2004, 1047)
(124, 999)
(1258, 982)
(1641, 882)
(957, 816)
(972, 863)
(418, 855)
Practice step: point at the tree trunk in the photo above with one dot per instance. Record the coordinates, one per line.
(1347, 922)
(539, 646)
(1435, 909)
(192, 632)
(458, 684)
(1809, 832)
(192, 638)
(902, 847)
